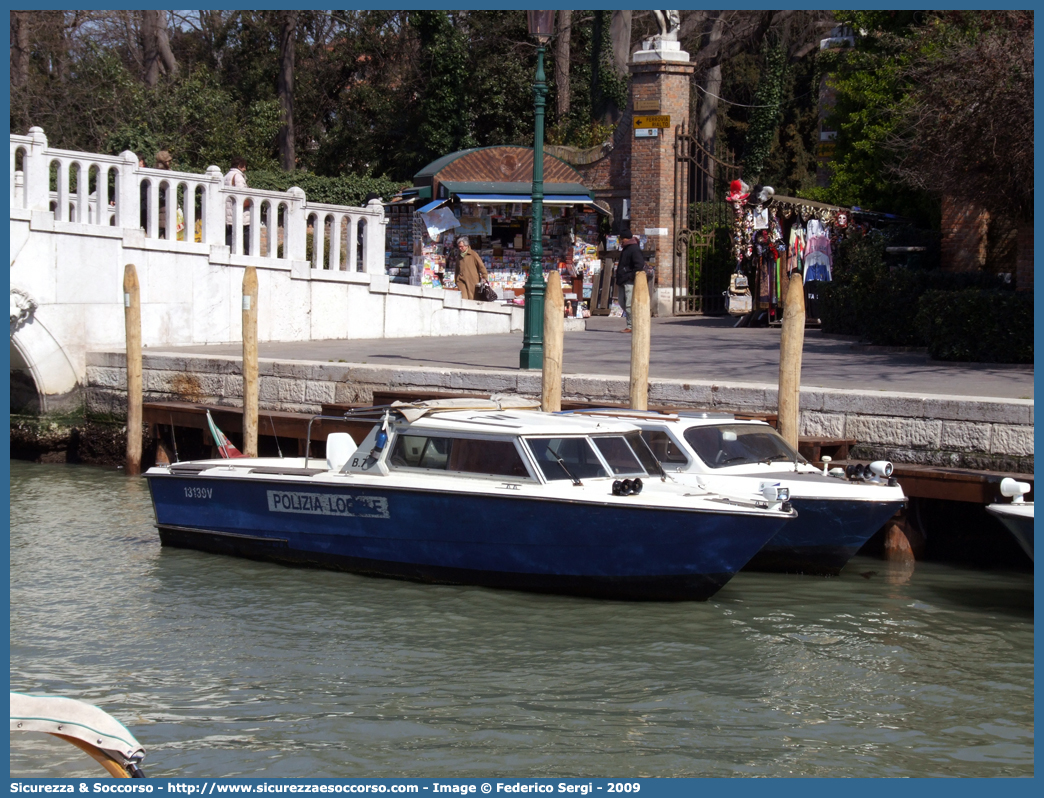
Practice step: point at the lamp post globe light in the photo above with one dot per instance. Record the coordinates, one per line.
(541, 26)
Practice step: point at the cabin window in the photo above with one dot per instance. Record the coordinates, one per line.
(618, 455)
(577, 458)
(461, 455)
(739, 444)
(627, 454)
(664, 447)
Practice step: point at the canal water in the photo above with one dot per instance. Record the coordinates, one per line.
(226, 667)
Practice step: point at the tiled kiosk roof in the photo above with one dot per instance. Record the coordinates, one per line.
(489, 165)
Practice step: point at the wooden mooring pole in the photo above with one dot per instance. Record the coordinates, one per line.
(791, 342)
(641, 331)
(554, 344)
(250, 386)
(132, 320)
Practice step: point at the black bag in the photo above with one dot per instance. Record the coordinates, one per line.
(485, 293)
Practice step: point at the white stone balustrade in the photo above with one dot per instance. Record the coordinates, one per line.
(78, 218)
(349, 234)
(67, 182)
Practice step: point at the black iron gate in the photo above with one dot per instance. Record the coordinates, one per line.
(702, 230)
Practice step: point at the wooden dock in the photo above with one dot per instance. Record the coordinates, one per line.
(168, 421)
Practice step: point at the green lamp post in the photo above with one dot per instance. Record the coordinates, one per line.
(541, 26)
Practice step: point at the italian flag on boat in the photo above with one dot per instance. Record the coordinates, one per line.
(221, 441)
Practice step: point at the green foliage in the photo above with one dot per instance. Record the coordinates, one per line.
(249, 66)
(608, 89)
(763, 128)
(502, 68)
(79, 112)
(379, 92)
(790, 165)
(708, 267)
(869, 91)
(581, 76)
(979, 326)
(868, 299)
(444, 123)
(788, 143)
(574, 133)
(343, 190)
(596, 92)
(473, 88)
(926, 103)
(894, 306)
(198, 121)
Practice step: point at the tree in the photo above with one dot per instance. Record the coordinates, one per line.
(285, 88)
(562, 54)
(620, 39)
(608, 86)
(20, 32)
(966, 129)
(762, 131)
(867, 89)
(933, 103)
(155, 46)
(443, 123)
(723, 39)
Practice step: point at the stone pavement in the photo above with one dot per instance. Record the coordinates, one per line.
(696, 348)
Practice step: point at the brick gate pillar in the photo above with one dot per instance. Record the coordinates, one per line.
(660, 85)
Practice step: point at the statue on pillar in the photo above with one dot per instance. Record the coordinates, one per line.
(663, 46)
(668, 22)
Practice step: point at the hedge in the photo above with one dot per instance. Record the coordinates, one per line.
(344, 190)
(979, 326)
(867, 299)
(985, 320)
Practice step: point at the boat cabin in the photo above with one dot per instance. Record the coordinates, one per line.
(518, 444)
(716, 439)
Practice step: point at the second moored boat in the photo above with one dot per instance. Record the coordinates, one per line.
(717, 451)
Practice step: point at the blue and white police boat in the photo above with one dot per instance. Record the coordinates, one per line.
(1016, 515)
(837, 511)
(485, 492)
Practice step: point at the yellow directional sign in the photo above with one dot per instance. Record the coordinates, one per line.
(652, 121)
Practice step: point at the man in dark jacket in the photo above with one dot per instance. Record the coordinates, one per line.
(631, 262)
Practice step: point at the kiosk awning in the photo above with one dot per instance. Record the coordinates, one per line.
(524, 199)
(432, 205)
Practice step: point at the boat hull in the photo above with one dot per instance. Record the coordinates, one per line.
(546, 545)
(826, 534)
(1019, 521)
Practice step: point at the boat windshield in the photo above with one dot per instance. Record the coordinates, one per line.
(664, 447)
(463, 455)
(566, 458)
(739, 444)
(627, 454)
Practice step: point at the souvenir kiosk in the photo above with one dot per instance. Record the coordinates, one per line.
(485, 194)
(777, 239)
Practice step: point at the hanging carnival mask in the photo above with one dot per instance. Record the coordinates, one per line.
(842, 219)
(761, 196)
(738, 191)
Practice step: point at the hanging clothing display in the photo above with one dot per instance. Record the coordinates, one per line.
(796, 247)
(775, 239)
(818, 258)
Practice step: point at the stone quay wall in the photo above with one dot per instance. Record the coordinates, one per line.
(947, 431)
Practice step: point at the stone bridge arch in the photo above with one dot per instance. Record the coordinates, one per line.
(39, 361)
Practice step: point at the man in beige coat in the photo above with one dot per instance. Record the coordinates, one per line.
(470, 270)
